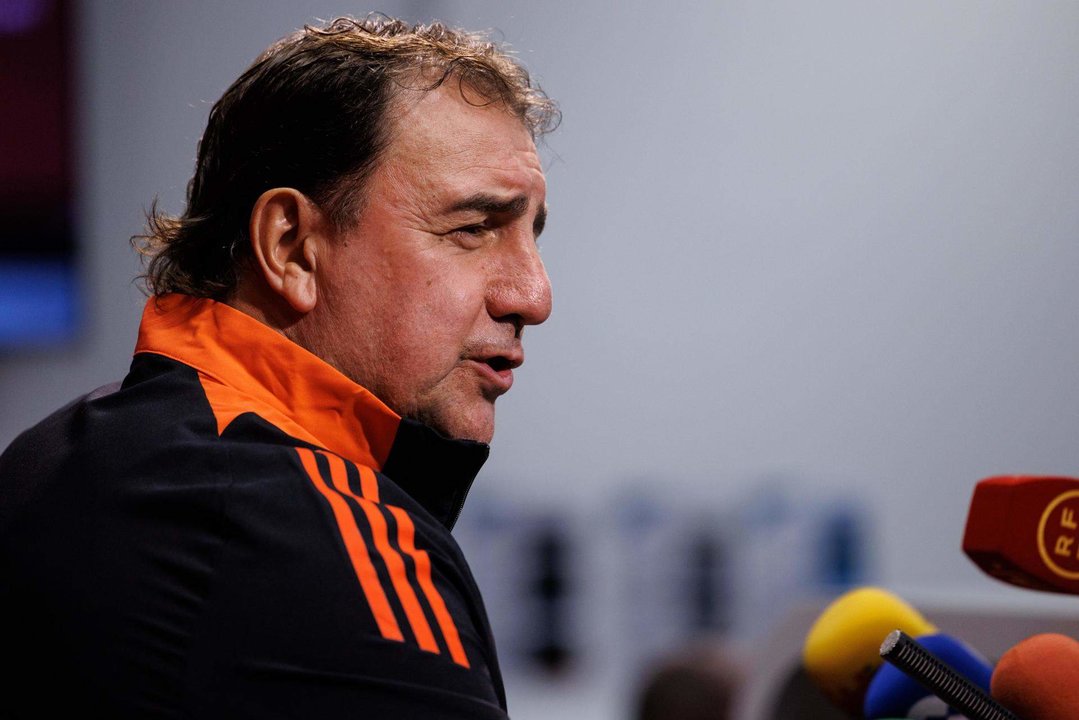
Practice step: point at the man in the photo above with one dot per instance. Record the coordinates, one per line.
(256, 523)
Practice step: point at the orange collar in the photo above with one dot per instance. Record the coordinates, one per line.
(245, 366)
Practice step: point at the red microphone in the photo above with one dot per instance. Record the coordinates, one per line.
(1024, 530)
(1038, 679)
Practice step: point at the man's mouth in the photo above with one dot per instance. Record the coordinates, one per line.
(497, 369)
(500, 363)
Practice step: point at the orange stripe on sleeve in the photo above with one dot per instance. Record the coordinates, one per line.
(406, 534)
(380, 532)
(368, 483)
(357, 550)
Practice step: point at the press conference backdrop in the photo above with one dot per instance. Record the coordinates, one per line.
(805, 256)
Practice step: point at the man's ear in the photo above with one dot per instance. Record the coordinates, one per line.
(286, 238)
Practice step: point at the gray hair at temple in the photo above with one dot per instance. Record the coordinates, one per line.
(313, 113)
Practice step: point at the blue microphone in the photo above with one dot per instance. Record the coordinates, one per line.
(892, 693)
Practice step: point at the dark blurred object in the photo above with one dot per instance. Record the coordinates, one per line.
(798, 698)
(699, 683)
(709, 585)
(550, 647)
(841, 555)
(37, 242)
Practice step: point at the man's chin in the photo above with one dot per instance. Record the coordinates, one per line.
(478, 426)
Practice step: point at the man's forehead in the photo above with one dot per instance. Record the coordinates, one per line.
(448, 120)
(446, 150)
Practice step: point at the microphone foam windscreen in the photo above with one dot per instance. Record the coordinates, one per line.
(842, 650)
(1038, 679)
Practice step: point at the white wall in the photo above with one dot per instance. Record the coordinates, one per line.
(836, 241)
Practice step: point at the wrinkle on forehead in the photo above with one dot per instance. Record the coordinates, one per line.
(441, 143)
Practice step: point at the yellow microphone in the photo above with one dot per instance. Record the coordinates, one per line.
(842, 650)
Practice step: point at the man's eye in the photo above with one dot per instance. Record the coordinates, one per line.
(471, 235)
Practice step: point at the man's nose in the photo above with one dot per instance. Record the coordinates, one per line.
(521, 290)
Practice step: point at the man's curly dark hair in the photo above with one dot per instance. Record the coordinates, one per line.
(312, 113)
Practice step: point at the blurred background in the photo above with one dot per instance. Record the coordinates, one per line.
(814, 269)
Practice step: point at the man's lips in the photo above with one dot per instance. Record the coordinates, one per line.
(496, 368)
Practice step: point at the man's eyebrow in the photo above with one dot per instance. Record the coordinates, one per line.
(493, 205)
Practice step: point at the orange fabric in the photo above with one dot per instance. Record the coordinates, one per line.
(406, 533)
(357, 550)
(240, 362)
(396, 566)
(368, 483)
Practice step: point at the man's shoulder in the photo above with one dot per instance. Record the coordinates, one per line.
(37, 455)
(155, 425)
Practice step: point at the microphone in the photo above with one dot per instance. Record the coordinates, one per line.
(894, 693)
(1039, 678)
(1024, 530)
(842, 649)
(908, 655)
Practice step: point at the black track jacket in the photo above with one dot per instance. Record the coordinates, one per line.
(237, 531)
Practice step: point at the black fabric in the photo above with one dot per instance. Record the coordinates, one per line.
(435, 471)
(152, 567)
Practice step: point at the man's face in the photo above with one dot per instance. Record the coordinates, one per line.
(423, 300)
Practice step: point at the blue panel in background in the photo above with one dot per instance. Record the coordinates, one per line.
(37, 303)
